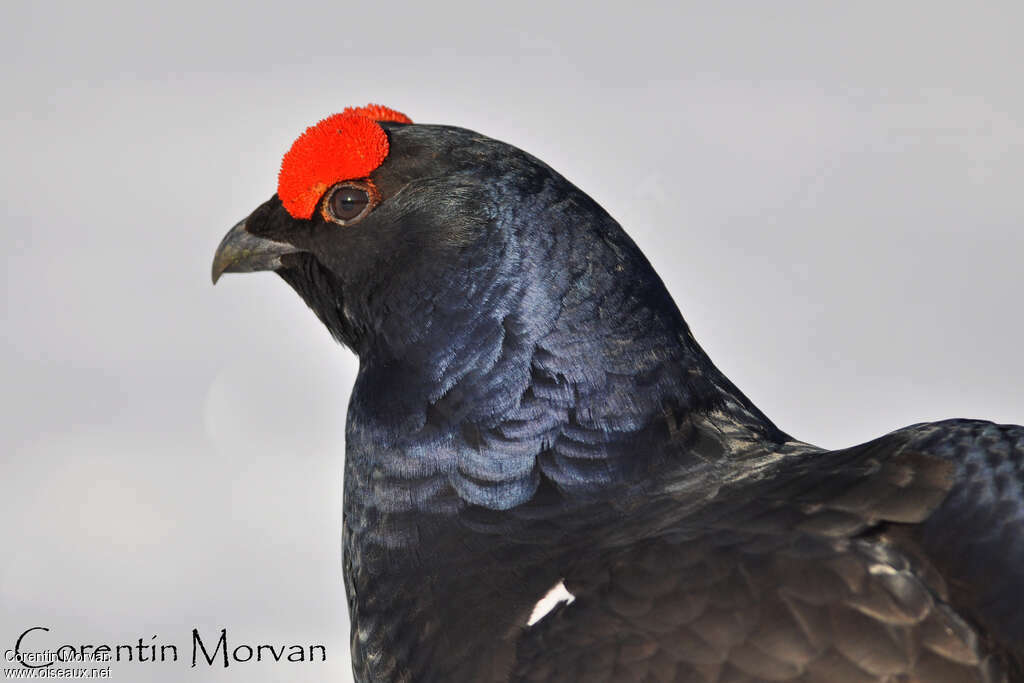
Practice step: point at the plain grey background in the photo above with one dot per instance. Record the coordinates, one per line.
(832, 193)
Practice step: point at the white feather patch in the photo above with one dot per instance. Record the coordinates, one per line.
(557, 594)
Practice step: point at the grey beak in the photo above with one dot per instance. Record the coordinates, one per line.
(242, 252)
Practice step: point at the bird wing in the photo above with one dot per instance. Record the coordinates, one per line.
(898, 559)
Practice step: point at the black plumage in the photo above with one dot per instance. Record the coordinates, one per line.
(531, 408)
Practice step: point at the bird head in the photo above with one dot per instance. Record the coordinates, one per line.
(392, 232)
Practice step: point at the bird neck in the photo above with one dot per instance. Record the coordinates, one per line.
(573, 377)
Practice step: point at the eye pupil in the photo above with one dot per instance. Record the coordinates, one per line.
(348, 202)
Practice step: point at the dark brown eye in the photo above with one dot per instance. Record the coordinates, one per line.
(347, 204)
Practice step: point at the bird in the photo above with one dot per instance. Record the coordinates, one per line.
(532, 414)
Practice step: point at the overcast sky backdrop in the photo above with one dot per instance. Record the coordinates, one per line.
(832, 192)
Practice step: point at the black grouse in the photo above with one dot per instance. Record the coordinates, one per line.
(531, 408)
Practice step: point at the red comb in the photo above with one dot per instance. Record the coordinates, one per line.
(344, 146)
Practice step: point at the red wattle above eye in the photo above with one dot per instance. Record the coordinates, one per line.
(344, 146)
